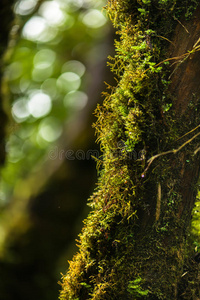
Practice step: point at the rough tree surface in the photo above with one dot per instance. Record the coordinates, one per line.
(134, 243)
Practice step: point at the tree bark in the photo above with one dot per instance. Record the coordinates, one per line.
(134, 242)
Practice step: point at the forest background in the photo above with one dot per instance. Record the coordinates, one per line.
(54, 69)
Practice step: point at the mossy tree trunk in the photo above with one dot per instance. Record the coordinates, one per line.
(134, 242)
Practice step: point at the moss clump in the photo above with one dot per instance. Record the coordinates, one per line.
(135, 122)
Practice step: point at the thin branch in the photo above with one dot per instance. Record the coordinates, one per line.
(169, 152)
(196, 151)
(181, 24)
(158, 205)
(188, 132)
(194, 137)
(196, 42)
(165, 39)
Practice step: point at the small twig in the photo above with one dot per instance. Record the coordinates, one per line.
(197, 150)
(184, 274)
(181, 24)
(162, 37)
(158, 205)
(156, 156)
(196, 42)
(194, 137)
(188, 132)
(169, 152)
(177, 66)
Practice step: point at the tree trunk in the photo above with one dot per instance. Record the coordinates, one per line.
(6, 17)
(134, 242)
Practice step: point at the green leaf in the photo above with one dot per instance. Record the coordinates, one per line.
(146, 1)
(143, 11)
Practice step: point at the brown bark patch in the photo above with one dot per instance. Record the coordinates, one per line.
(186, 71)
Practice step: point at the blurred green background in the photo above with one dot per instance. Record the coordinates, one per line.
(55, 68)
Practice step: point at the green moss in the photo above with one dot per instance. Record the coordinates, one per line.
(114, 251)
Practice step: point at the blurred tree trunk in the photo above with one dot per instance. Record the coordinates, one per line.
(6, 17)
(135, 241)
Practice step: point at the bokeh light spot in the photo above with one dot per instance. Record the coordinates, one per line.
(74, 66)
(25, 7)
(43, 64)
(76, 100)
(50, 129)
(42, 72)
(20, 110)
(37, 29)
(34, 28)
(50, 10)
(68, 81)
(24, 84)
(94, 18)
(14, 70)
(74, 5)
(14, 149)
(49, 87)
(44, 56)
(39, 104)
